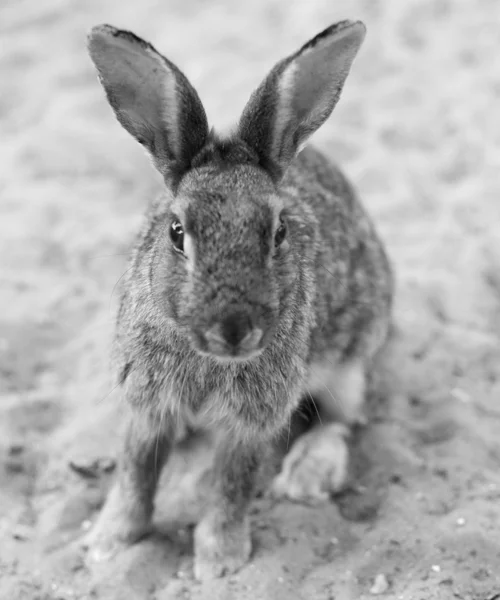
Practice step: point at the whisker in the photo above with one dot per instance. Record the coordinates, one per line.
(355, 302)
(109, 393)
(335, 277)
(180, 392)
(114, 287)
(315, 408)
(335, 396)
(159, 432)
(290, 417)
(289, 431)
(302, 412)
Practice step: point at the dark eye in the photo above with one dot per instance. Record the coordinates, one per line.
(177, 236)
(280, 234)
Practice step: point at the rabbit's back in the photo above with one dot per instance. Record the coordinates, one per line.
(354, 282)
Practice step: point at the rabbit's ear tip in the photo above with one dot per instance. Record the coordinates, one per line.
(351, 31)
(359, 24)
(360, 27)
(102, 30)
(349, 24)
(357, 27)
(348, 27)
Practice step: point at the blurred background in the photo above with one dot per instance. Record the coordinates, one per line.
(417, 130)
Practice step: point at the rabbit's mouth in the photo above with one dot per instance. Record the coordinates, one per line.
(240, 357)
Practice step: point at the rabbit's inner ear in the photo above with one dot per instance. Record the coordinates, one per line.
(151, 98)
(303, 90)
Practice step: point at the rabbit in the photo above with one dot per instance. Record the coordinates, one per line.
(258, 278)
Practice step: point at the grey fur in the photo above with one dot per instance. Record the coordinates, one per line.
(324, 295)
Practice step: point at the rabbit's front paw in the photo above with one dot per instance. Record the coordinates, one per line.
(221, 547)
(116, 528)
(316, 466)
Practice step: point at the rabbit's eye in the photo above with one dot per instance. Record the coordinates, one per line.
(177, 236)
(280, 234)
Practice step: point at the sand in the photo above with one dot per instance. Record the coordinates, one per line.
(417, 130)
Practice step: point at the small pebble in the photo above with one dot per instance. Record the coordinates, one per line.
(14, 466)
(107, 465)
(436, 568)
(380, 585)
(460, 395)
(280, 580)
(21, 533)
(86, 525)
(85, 468)
(92, 468)
(460, 521)
(16, 449)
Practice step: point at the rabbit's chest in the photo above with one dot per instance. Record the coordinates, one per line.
(246, 403)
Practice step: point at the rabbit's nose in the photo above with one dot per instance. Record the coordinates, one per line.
(235, 330)
(235, 327)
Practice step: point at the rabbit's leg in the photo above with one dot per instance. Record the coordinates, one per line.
(317, 465)
(127, 513)
(222, 538)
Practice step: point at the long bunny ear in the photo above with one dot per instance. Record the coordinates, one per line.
(151, 98)
(298, 95)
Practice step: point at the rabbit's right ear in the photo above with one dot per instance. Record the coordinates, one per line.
(298, 96)
(151, 98)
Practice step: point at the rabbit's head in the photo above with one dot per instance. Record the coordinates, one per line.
(225, 250)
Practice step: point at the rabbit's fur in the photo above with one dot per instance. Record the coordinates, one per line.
(321, 298)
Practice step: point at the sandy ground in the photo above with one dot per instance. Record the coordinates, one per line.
(417, 130)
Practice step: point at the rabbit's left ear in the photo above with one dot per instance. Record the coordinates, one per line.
(298, 95)
(151, 98)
